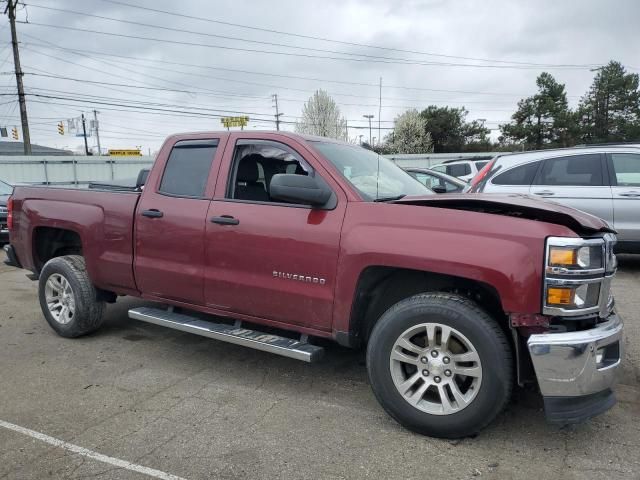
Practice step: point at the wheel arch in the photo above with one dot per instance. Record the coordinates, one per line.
(379, 287)
(51, 242)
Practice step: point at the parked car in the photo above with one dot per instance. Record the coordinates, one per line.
(462, 169)
(602, 180)
(5, 192)
(455, 297)
(437, 181)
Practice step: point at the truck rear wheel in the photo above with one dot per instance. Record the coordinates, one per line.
(440, 365)
(68, 299)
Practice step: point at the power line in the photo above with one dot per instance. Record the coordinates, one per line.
(341, 42)
(146, 110)
(367, 59)
(261, 42)
(207, 92)
(218, 93)
(336, 94)
(252, 72)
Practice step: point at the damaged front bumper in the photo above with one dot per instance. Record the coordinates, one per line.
(576, 370)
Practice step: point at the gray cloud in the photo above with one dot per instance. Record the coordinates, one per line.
(545, 32)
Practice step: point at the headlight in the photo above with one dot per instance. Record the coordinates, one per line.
(571, 296)
(575, 257)
(577, 275)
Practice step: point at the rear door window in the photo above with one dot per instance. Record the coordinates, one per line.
(187, 168)
(522, 175)
(479, 165)
(572, 171)
(458, 169)
(627, 169)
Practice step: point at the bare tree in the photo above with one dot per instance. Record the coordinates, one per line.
(409, 134)
(321, 116)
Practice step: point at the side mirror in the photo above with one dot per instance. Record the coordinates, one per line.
(299, 189)
(142, 178)
(439, 189)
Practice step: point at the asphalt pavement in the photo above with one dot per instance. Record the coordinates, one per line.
(139, 401)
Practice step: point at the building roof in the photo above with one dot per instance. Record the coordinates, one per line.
(17, 148)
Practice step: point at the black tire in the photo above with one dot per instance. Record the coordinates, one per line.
(478, 327)
(88, 310)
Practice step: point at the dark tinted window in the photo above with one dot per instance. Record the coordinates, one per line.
(522, 175)
(188, 167)
(627, 168)
(479, 165)
(576, 170)
(459, 170)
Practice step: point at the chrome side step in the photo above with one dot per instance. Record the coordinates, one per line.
(287, 347)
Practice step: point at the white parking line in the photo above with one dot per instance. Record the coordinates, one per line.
(90, 454)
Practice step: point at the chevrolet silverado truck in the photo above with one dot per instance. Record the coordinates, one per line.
(275, 241)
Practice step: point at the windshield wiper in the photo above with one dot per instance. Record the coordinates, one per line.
(389, 199)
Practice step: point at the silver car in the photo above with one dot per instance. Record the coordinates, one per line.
(602, 180)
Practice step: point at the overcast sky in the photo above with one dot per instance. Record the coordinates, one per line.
(484, 55)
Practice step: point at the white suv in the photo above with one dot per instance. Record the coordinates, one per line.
(603, 180)
(463, 169)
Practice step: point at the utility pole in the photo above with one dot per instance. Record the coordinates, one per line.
(369, 117)
(95, 120)
(278, 114)
(84, 134)
(26, 138)
(379, 110)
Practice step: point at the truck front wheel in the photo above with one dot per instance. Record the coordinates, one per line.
(440, 365)
(68, 299)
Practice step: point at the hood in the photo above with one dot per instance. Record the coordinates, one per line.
(515, 205)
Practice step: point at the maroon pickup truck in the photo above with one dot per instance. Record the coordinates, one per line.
(285, 239)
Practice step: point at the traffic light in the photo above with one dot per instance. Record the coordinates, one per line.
(61, 128)
(14, 133)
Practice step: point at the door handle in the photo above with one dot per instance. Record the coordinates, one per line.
(225, 220)
(153, 213)
(630, 194)
(544, 192)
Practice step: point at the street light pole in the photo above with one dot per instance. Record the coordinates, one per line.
(369, 117)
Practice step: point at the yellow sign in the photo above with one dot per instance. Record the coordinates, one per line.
(134, 152)
(234, 121)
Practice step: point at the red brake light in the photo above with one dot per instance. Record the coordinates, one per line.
(10, 213)
(482, 173)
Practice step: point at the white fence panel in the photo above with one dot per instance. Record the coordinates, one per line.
(70, 170)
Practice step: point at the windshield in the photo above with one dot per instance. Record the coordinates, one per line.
(375, 176)
(5, 189)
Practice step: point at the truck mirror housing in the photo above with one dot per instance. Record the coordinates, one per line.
(142, 178)
(301, 189)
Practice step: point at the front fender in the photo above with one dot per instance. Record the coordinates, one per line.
(503, 252)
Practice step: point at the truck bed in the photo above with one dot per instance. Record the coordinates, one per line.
(102, 218)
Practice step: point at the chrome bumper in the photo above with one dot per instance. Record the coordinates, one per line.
(580, 363)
